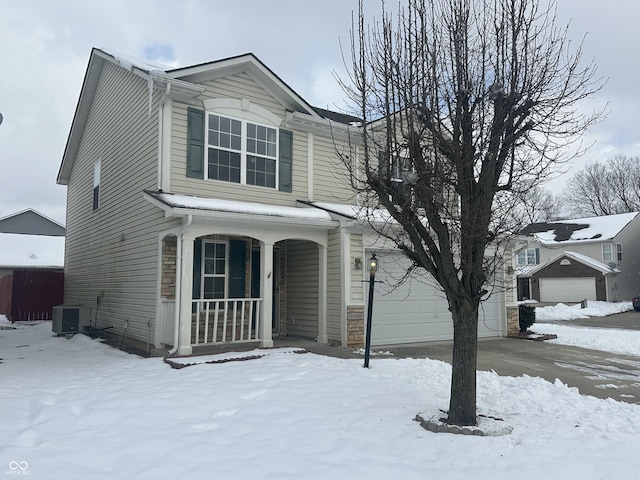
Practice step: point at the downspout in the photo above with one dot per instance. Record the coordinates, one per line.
(178, 294)
(161, 134)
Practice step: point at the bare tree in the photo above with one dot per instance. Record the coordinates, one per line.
(533, 205)
(461, 100)
(605, 188)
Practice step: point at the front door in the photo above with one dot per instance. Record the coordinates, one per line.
(255, 282)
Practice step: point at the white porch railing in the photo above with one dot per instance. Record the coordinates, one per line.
(225, 320)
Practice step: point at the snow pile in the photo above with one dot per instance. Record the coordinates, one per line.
(625, 342)
(76, 409)
(574, 312)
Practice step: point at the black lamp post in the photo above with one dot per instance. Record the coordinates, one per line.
(373, 268)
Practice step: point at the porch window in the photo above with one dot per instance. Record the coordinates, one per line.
(241, 152)
(529, 256)
(214, 269)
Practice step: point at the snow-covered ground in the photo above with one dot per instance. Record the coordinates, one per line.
(625, 342)
(77, 409)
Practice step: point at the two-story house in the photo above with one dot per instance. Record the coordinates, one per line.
(594, 258)
(207, 204)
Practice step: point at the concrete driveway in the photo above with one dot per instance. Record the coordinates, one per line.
(592, 372)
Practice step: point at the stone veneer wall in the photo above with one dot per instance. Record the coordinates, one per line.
(513, 321)
(355, 326)
(168, 285)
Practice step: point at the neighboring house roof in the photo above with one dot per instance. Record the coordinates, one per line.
(183, 83)
(529, 270)
(592, 229)
(30, 222)
(174, 204)
(31, 251)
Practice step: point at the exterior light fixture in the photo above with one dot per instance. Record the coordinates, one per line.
(373, 268)
(357, 262)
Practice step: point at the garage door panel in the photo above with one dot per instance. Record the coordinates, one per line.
(417, 311)
(567, 289)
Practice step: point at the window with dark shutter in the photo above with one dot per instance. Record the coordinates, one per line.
(195, 143)
(286, 161)
(237, 265)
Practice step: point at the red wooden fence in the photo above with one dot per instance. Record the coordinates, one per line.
(35, 293)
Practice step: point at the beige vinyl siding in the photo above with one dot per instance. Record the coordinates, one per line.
(302, 288)
(357, 285)
(238, 87)
(331, 181)
(334, 289)
(112, 252)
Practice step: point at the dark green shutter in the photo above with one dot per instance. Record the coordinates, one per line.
(237, 266)
(286, 161)
(197, 268)
(195, 143)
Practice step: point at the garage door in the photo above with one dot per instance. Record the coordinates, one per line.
(416, 310)
(567, 289)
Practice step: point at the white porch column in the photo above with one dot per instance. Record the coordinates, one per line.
(322, 295)
(266, 291)
(186, 292)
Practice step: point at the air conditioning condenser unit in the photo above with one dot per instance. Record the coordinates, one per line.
(70, 319)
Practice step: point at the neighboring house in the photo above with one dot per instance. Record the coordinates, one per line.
(594, 258)
(31, 266)
(207, 204)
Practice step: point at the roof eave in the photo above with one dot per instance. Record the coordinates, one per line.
(172, 211)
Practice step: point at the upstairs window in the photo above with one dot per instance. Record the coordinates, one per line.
(223, 148)
(607, 252)
(619, 252)
(529, 256)
(241, 152)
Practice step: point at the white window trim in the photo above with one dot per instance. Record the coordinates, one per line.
(525, 255)
(243, 150)
(610, 252)
(203, 275)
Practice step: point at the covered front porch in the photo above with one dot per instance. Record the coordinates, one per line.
(233, 278)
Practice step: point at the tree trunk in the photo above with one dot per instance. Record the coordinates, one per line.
(462, 406)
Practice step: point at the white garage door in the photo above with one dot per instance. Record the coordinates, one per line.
(416, 310)
(567, 289)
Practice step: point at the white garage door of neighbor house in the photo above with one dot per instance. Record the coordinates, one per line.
(416, 310)
(567, 289)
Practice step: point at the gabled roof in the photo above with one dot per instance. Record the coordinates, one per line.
(183, 83)
(593, 229)
(250, 64)
(31, 222)
(603, 268)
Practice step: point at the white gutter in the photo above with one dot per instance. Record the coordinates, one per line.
(178, 294)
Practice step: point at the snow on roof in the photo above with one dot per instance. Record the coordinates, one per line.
(592, 262)
(528, 270)
(355, 212)
(31, 251)
(580, 229)
(218, 205)
(129, 62)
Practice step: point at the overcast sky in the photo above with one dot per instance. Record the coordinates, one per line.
(45, 46)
